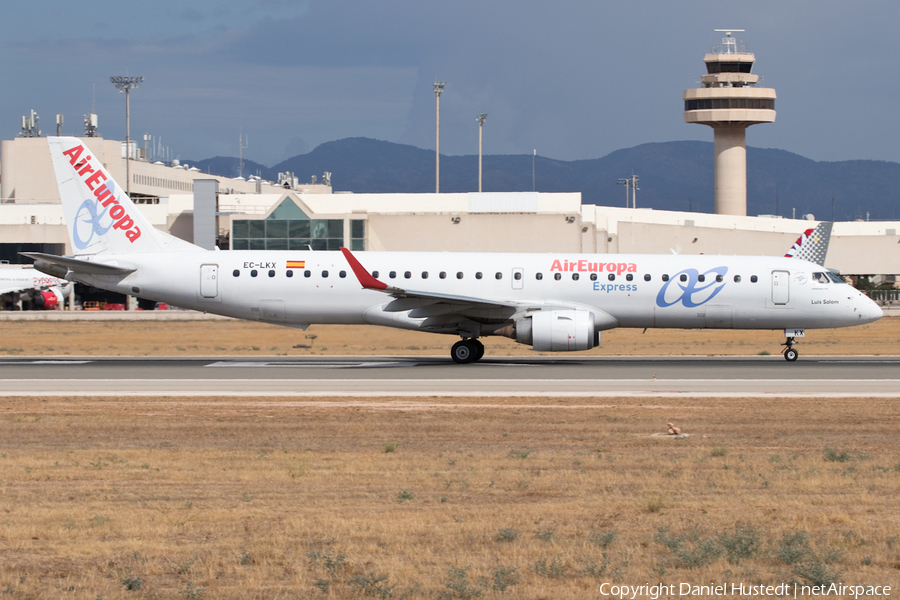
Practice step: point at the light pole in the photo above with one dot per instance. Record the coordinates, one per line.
(626, 183)
(481, 118)
(126, 83)
(438, 88)
(632, 183)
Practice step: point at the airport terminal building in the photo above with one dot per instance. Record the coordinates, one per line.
(254, 214)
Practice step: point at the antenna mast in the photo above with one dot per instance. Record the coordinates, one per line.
(241, 148)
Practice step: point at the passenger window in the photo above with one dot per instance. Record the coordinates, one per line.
(538, 276)
(611, 277)
(289, 273)
(629, 277)
(392, 274)
(647, 277)
(478, 275)
(719, 279)
(557, 276)
(307, 273)
(236, 273)
(683, 277)
(375, 274)
(737, 278)
(253, 273)
(324, 274)
(700, 278)
(342, 274)
(424, 274)
(459, 275)
(271, 273)
(517, 276)
(754, 279)
(498, 276)
(665, 277)
(593, 277)
(574, 276)
(407, 275)
(443, 275)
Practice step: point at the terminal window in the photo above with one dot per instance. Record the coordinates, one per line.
(295, 234)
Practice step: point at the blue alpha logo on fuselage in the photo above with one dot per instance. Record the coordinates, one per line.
(691, 288)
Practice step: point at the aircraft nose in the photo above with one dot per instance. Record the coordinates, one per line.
(870, 310)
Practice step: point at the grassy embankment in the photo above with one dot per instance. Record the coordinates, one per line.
(441, 498)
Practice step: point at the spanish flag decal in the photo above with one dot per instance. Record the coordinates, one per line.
(296, 264)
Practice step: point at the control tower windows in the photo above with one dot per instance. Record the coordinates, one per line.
(714, 103)
(728, 67)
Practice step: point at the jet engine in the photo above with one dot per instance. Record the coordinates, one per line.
(49, 299)
(558, 331)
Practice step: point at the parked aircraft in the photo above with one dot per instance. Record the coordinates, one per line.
(552, 302)
(44, 291)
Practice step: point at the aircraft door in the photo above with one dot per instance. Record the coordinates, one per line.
(518, 278)
(209, 281)
(781, 290)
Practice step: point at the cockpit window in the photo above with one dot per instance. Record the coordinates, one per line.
(835, 278)
(820, 278)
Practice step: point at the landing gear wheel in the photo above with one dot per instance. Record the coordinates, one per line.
(479, 349)
(790, 354)
(464, 351)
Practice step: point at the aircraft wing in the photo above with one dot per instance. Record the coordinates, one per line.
(412, 299)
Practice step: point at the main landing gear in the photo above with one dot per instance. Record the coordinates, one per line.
(466, 351)
(790, 354)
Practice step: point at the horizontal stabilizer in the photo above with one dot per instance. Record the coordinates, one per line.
(53, 265)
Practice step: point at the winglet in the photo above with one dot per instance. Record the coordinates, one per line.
(364, 277)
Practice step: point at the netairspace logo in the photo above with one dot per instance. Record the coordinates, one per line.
(741, 590)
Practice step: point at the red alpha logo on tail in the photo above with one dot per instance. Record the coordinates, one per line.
(812, 245)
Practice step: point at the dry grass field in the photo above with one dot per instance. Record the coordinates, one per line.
(232, 337)
(441, 498)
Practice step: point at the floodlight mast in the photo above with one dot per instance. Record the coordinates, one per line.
(438, 88)
(481, 119)
(631, 182)
(126, 83)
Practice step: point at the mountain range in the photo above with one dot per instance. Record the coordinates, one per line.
(673, 176)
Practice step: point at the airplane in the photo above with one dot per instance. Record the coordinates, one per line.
(552, 302)
(44, 291)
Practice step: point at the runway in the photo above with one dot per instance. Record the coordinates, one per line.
(823, 377)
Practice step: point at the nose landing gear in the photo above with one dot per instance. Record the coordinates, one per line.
(790, 354)
(467, 351)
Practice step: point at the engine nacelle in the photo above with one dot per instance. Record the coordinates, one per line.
(48, 300)
(558, 331)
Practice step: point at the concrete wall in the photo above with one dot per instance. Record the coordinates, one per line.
(473, 233)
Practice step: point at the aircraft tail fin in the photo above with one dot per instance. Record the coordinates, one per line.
(812, 245)
(100, 217)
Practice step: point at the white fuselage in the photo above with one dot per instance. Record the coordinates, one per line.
(738, 292)
(23, 279)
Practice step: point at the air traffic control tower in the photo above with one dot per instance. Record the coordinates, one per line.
(729, 102)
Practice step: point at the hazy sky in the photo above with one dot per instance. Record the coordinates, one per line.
(572, 79)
